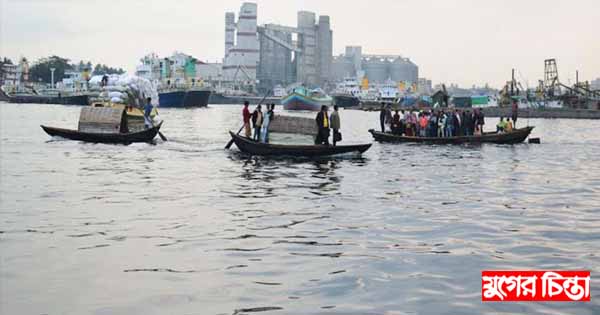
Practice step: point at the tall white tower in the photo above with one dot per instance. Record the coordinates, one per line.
(242, 59)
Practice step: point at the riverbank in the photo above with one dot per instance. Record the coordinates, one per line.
(547, 113)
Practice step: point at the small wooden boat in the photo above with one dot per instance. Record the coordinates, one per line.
(257, 148)
(117, 138)
(513, 137)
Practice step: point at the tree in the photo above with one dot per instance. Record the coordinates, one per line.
(40, 71)
(101, 69)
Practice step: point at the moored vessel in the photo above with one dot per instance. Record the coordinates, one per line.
(184, 97)
(304, 99)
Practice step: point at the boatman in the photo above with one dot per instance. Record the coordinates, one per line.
(147, 112)
(515, 113)
(382, 113)
(246, 116)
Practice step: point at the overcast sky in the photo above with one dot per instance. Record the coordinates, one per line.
(453, 41)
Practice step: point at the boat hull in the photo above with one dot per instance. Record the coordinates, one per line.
(514, 137)
(263, 149)
(113, 138)
(297, 101)
(220, 99)
(184, 98)
(82, 100)
(346, 101)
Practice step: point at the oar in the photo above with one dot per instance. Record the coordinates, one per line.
(162, 136)
(159, 133)
(230, 143)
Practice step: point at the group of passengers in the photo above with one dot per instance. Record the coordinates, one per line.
(439, 123)
(260, 122)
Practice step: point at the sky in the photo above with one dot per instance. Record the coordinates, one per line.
(452, 41)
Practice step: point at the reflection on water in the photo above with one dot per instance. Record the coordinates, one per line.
(184, 227)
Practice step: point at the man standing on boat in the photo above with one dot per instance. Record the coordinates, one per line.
(246, 117)
(257, 120)
(323, 125)
(382, 117)
(147, 112)
(515, 112)
(335, 125)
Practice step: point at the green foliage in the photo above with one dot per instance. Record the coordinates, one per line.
(104, 69)
(40, 70)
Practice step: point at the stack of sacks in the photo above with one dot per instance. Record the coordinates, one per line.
(127, 89)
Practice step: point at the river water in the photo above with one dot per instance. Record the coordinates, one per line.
(185, 227)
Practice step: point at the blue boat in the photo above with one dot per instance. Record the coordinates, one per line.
(184, 98)
(303, 99)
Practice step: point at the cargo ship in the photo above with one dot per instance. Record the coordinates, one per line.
(228, 98)
(31, 96)
(347, 93)
(184, 97)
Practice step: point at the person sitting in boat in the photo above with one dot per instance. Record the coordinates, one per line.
(335, 125)
(509, 125)
(322, 120)
(147, 112)
(257, 121)
(501, 126)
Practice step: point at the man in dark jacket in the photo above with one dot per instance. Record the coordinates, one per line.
(382, 115)
(323, 125)
(457, 124)
(468, 123)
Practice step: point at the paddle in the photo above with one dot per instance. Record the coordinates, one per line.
(159, 133)
(230, 143)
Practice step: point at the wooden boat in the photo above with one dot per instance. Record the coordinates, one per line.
(118, 138)
(513, 137)
(303, 99)
(256, 148)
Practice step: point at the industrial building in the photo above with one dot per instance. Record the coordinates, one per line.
(376, 68)
(595, 85)
(274, 54)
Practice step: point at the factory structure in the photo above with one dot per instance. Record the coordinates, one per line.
(273, 54)
(376, 68)
(268, 55)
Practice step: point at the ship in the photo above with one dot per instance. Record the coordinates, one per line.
(184, 97)
(21, 95)
(347, 93)
(236, 97)
(304, 99)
